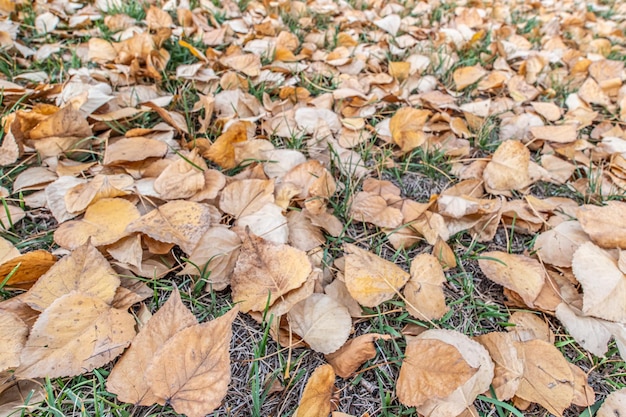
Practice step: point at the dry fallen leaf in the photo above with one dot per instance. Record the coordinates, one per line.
(371, 279)
(424, 290)
(508, 168)
(266, 271)
(245, 197)
(191, 371)
(372, 208)
(508, 366)
(13, 333)
(74, 334)
(26, 269)
(321, 321)
(315, 401)
(406, 127)
(355, 353)
(605, 225)
(128, 377)
(557, 246)
(614, 404)
(518, 273)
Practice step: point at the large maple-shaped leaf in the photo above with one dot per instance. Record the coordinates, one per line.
(192, 369)
(75, 334)
(128, 377)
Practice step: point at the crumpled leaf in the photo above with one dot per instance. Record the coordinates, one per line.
(355, 353)
(191, 371)
(321, 321)
(371, 279)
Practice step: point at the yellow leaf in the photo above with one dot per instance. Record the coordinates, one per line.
(407, 128)
(315, 401)
(371, 279)
(30, 267)
(424, 291)
(465, 76)
(222, 151)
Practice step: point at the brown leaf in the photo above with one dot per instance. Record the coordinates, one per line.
(315, 401)
(179, 222)
(128, 377)
(604, 284)
(75, 334)
(266, 271)
(85, 271)
(519, 273)
(508, 366)
(104, 223)
(605, 225)
(529, 326)
(508, 168)
(443, 372)
(371, 279)
(192, 369)
(30, 267)
(424, 290)
(13, 333)
(406, 127)
(321, 321)
(355, 353)
(584, 396)
(547, 377)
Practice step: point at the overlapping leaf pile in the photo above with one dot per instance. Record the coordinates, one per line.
(262, 174)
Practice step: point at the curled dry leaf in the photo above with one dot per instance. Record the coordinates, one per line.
(605, 225)
(604, 284)
(547, 378)
(315, 401)
(508, 168)
(424, 290)
(266, 271)
(222, 151)
(179, 222)
(26, 269)
(13, 333)
(85, 271)
(191, 371)
(371, 279)
(128, 377)
(407, 128)
(321, 321)
(355, 353)
(75, 334)
(518, 273)
(104, 223)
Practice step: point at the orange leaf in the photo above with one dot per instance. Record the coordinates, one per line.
(315, 401)
(30, 267)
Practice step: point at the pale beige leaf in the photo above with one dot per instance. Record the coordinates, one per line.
(315, 401)
(584, 395)
(244, 197)
(604, 284)
(85, 271)
(13, 333)
(75, 334)
(549, 111)
(215, 255)
(371, 279)
(519, 273)
(337, 289)
(508, 168)
(133, 149)
(559, 134)
(267, 222)
(302, 233)
(372, 208)
(349, 358)
(128, 377)
(508, 366)
(443, 372)
(321, 321)
(461, 399)
(266, 271)
(591, 333)
(557, 246)
(7, 251)
(465, 76)
(424, 290)
(34, 178)
(547, 378)
(10, 215)
(179, 222)
(529, 326)
(605, 225)
(614, 404)
(191, 372)
(104, 223)
(182, 179)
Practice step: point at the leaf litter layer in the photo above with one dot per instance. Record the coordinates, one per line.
(369, 207)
